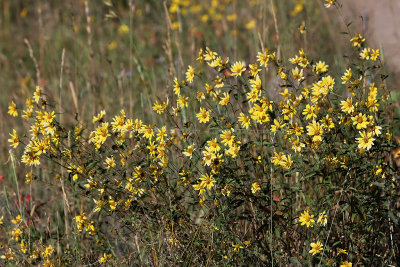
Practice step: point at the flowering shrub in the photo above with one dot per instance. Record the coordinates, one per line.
(231, 173)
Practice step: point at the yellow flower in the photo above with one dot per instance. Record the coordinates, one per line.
(17, 220)
(123, 29)
(374, 54)
(238, 68)
(341, 251)
(347, 105)
(225, 100)
(244, 120)
(209, 55)
(255, 187)
(189, 151)
(286, 162)
(203, 116)
(365, 53)
(110, 163)
(113, 204)
(200, 56)
(14, 140)
(12, 109)
(232, 151)
(254, 70)
(365, 141)
(207, 181)
(177, 87)
(213, 145)
(227, 138)
(360, 121)
(190, 74)
(346, 264)
(48, 251)
(322, 218)
(99, 116)
(277, 125)
(112, 45)
(315, 130)
(329, 3)
(316, 248)
(307, 219)
(309, 112)
(23, 247)
(236, 247)
(199, 187)
(357, 40)
(183, 101)
(37, 94)
(103, 259)
(277, 159)
(347, 76)
(251, 24)
(320, 67)
(297, 74)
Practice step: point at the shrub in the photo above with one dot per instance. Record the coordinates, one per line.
(233, 173)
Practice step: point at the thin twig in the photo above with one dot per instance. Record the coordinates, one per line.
(28, 44)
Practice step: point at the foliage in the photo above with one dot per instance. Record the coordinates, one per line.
(230, 173)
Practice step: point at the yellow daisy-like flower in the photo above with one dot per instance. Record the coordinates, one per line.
(360, 121)
(347, 76)
(238, 68)
(329, 3)
(190, 74)
(374, 54)
(357, 40)
(99, 116)
(255, 187)
(183, 101)
(263, 58)
(315, 130)
(365, 53)
(306, 219)
(322, 218)
(297, 74)
(347, 106)
(236, 247)
(203, 116)
(14, 140)
(12, 109)
(316, 248)
(346, 264)
(227, 138)
(48, 251)
(177, 87)
(341, 251)
(209, 55)
(244, 120)
(199, 187)
(320, 67)
(37, 94)
(366, 140)
(225, 100)
(189, 151)
(207, 181)
(123, 29)
(277, 125)
(109, 162)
